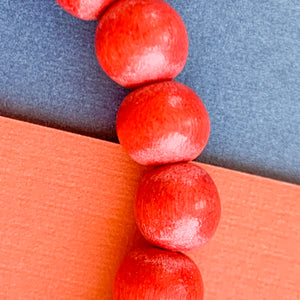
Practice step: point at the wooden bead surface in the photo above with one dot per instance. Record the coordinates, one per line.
(163, 123)
(155, 274)
(85, 9)
(141, 41)
(177, 207)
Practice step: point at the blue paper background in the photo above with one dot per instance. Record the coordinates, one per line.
(243, 62)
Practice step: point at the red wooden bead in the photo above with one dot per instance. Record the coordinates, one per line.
(157, 275)
(141, 41)
(177, 207)
(163, 123)
(85, 9)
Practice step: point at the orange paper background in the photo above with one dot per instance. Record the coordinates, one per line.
(66, 222)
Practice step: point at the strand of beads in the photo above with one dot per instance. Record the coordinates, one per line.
(143, 45)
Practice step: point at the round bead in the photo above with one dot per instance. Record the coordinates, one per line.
(157, 275)
(140, 42)
(177, 207)
(163, 123)
(85, 9)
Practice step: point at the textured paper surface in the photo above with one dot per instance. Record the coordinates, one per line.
(66, 222)
(243, 62)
